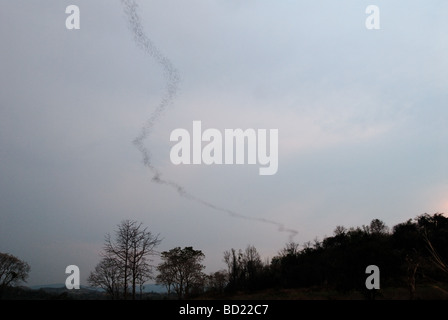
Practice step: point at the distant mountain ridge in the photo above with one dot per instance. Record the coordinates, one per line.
(61, 286)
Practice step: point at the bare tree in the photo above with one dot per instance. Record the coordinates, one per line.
(251, 262)
(234, 269)
(12, 271)
(412, 265)
(144, 273)
(436, 258)
(243, 267)
(107, 276)
(131, 249)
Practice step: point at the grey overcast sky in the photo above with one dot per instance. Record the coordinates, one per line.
(362, 119)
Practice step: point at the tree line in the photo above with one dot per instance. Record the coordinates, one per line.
(412, 252)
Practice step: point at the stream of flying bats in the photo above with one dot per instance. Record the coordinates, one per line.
(172, 84)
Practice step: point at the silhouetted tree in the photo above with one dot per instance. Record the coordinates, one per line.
(108, 276)
(166, 277)
(378, 227)
(234, 269)
(12, 271)
(182, 270)
(217, 281)
(244, 268)
(285, 266)
(436, 258)
(434, 231)
(422, 246)
(338, 261)
(252, 266)
(130, 250)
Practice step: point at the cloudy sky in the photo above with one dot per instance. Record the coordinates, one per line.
(361, 114)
